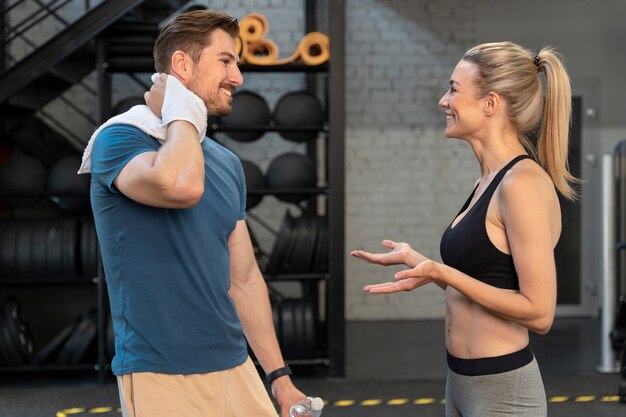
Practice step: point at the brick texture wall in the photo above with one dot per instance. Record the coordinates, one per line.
(405, 179)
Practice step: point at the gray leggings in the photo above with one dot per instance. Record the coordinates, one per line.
(518, 393)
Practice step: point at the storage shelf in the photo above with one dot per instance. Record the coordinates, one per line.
(288, 191)
(313, 276)
(49, 281)
(284, 68)
(145, 63)
(268, 128)
(50, 367)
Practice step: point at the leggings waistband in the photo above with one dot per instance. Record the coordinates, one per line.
(492, 365)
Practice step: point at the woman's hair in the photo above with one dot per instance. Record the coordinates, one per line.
(513, 72)
(190, 32)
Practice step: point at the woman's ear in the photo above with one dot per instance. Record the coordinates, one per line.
(181, 66)
(491, 103)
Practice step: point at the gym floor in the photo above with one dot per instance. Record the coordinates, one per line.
(394, 368)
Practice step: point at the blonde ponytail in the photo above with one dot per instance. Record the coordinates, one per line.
(552, 142)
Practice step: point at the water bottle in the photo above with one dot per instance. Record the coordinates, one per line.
(307, 407)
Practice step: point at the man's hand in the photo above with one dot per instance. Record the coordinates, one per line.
(154, 98)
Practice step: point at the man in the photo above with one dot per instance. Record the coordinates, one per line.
(182, 278)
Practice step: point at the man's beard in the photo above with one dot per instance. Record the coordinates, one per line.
(215, 104)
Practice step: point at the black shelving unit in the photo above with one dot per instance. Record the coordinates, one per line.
(8, 286)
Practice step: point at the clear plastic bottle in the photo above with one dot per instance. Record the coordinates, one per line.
(307, 407)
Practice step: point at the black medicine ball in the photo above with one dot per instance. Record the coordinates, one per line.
(300, 108)
(291, 170)
(249, 109)
(254, 180)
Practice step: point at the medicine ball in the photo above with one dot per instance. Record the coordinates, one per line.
(125, 104)
(21, 173)
(63, 179)
(249, 109)
(291, 170)
(299, 109)
(254, 180)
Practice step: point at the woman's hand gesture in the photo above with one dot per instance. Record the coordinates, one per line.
(400, 254)
(421, 269)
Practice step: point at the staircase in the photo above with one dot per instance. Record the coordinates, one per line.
(128, 29)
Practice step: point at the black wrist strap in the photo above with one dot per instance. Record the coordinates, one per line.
(285, 370)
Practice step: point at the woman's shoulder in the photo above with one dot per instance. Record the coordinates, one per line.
(527, 180)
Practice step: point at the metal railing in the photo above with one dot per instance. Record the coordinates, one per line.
(29, 17)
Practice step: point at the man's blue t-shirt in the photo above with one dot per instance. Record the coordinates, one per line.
(168, 270)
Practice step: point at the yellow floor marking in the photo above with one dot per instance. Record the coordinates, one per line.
(584, 398)
(560, 399)
(369, 402)
(100, 410)
(398, 401)
(424, 401)
(610, 398)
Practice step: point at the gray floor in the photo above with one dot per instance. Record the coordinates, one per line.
(393, 369)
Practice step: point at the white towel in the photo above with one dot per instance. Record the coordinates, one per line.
(178, 104)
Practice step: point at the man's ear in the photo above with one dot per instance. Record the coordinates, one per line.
(491, 103)
(181, 66)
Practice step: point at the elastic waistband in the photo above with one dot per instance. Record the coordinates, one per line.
(492, 365)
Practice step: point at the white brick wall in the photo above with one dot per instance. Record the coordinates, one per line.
(404, 179)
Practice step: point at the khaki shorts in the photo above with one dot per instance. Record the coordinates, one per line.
(236, 392)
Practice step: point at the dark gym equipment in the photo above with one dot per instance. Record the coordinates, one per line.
(22, 174)
(300, 108)
(255, 180)
(249, 109)
(63, 179)
(53, 346)
(46, 249)
(88, 248)
(300, 246)
(16, 341)
(110, 339)
(125, 104)
(297, 335)
(80, 339)
(291, 171)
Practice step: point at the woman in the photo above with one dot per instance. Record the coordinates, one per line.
(498, 269)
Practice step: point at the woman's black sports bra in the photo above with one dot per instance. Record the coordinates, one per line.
(467, 247)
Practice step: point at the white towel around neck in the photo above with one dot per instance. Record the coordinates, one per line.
(141, 117)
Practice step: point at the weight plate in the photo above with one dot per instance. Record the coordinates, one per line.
(54, 250)
(298, 336)
(70, 345)
(276, 316)
(10, 350)
(308, 326)
(281, 246)
(69, 245)
(53, 345)
(86, 338)
(19, 329)
(8, 245)
(289, 246)
(110, 339)
(23, 250)
(38, 248)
